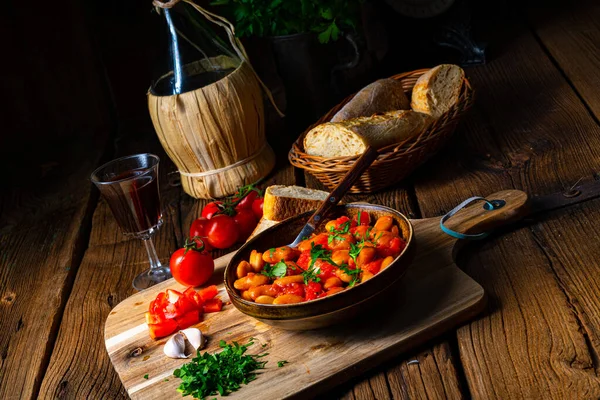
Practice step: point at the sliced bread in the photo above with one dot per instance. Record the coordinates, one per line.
(352, 137)
(282, 202)
(378, 97)
(437, 90)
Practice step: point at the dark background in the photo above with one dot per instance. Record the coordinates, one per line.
(75, 70)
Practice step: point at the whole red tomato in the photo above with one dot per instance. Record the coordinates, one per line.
(257, 207)
(211, 209)
(191, 267)
(198, 229)
(221, 231)
(246, 222)
(246, 202)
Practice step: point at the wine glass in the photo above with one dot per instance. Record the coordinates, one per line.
(130, 187)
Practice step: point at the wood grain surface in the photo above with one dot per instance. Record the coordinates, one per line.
(534, 127)
(528, 344)
(433, 296)
(42, 238)
(570, 32)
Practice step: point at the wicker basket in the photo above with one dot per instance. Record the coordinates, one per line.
(395, 161)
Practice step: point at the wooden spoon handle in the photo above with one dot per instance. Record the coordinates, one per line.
(476, 219)
(340, 190)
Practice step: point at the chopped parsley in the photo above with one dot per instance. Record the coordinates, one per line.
(316, 252)
(220, 373)
(276, 271)
(354, 273)
(342, 229)
(271, 252)
(281, 363)
(146, 376)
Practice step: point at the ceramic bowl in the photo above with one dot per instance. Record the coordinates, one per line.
(329, 310)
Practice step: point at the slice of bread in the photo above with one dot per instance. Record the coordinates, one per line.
(438, 90)
(378, 97)
(352, 137)
(283, 202)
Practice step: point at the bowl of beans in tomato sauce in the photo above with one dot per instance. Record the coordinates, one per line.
(359, 253)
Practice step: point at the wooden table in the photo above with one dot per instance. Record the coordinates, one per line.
(535, 126)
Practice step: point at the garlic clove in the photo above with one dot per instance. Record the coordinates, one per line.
(175, 346)
(195, 337)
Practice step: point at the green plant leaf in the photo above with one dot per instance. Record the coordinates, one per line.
(331, 32)
(327, 13)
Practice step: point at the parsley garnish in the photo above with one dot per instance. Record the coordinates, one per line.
(276, 271)
(316, 252)
(146, 376)
(354, 273)
(342, 229)
(271, 252)
(281, 363)
(355, 250)
(220, 373)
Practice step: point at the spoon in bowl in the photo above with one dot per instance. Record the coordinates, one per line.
(337, 193)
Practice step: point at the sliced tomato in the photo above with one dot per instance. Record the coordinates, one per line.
(374, 266)
(188, 319)
(339, 222)
(173, 295)
(159, 303)
(294, 288)
(155, 318)
(213, 305)
(364, 219)
(162, 329)
(304, 260)
(393, 248)
(152, 306)
(192, 295)
(208, 293)
(326, 270)
(172, 311)
(185, 305)
(321, 239)
(313, 290)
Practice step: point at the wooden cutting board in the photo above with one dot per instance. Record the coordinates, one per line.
(434, 296)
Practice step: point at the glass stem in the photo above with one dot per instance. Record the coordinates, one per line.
(154, 261)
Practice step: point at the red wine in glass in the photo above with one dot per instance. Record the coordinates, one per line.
(130, 187)
(135, 202)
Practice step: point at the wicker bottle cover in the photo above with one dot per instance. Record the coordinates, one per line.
(215, 133)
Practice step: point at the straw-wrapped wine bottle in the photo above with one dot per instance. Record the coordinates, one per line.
(206, 104)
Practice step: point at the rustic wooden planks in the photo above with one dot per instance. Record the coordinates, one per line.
(42, 239)
(396, 374)
(433, 296)
(79, 366)
(570, 31)
(529, 130)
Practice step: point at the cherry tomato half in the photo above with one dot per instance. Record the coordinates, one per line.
(246, 202)
(221, 231)
(246, 222)
(211, 209)
(257, 207)
(191, 267)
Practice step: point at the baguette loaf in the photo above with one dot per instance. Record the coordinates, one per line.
(282, 202)
(378, 97)
(352, 137)
(437, 90)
